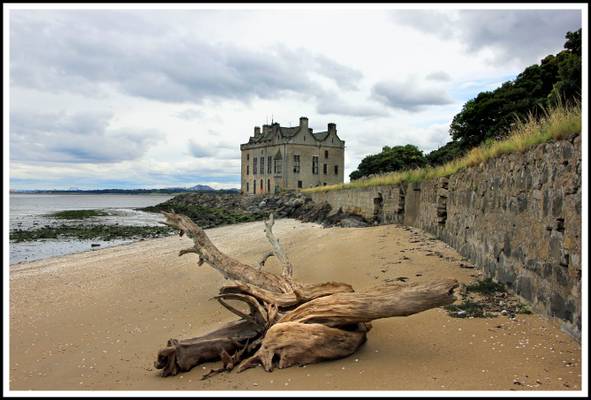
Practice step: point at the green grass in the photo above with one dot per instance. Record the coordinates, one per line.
(557, 123)
(78, 214)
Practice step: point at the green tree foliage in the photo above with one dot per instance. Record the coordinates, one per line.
(490, 115)
(390, 159)
(447, 152)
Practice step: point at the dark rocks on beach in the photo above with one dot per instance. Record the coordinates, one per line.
(214, 209)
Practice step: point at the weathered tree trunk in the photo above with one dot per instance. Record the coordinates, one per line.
(287, 322)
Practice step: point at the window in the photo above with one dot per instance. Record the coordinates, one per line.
(300, 184)
(247, 169)
(247, 189)
(277, 167)
(325, 169)
(324, 184)
(296, 164)
(254, 166)
(315, 165)
(325, 153)
(336, 169)
(262, 165)
(254, 187)
(269, 185)
(261, 185)
(269, 164)
(247, 157)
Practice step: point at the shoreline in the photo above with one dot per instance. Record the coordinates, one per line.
(20, 264)
(95, 320)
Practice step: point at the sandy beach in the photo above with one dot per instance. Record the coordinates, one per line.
(96, 320)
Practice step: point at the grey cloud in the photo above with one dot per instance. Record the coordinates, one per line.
(59, 53)
(408, 96)
(199, 151)
(438, 76)
(75, 138)
(220, 150)
(345, 77)
(190, 114)
(335, 103)
(525, 35)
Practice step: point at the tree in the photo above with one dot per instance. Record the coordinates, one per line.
(447, 152)
(492, 114)
(568, 86)
(390, 159)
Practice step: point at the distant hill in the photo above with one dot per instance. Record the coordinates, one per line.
(198, 188)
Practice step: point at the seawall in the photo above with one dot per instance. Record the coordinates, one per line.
(518, 217)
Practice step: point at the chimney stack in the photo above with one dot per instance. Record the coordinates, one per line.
(257, 131)
(332, 127)
(303, 122)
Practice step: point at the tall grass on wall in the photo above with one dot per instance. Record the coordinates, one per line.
(556, 123)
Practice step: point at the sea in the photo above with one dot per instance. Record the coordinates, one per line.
(30, 211)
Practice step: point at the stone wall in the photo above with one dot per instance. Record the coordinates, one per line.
(517, 216)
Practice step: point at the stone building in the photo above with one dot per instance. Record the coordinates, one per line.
(291, 158)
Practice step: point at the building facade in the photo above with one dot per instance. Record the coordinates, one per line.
(291, 158)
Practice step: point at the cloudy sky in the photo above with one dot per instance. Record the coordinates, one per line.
(161, 98)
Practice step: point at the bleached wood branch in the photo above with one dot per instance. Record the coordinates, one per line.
(278, 251)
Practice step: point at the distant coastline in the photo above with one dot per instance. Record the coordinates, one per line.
(198, 188)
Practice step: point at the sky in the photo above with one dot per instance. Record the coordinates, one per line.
(163, 98)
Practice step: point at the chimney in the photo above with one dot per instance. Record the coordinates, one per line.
(257, 131)
(303, 122)
(332, 127)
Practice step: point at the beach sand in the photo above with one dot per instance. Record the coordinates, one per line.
(96, 320)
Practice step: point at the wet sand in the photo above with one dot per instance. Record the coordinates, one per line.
(95, 320)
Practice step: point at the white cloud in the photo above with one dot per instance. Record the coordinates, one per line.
(75, 138)
(162, 98)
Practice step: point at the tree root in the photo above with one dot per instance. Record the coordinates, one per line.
(287, 323)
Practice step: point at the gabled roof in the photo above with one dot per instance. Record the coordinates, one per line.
(289, 132)
(320, 136)
(270, 131)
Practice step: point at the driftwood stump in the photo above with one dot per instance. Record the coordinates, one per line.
(288, 322)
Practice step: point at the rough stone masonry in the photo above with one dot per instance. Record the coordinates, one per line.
(517, 216)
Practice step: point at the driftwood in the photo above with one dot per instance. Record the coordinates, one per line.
(284, 322)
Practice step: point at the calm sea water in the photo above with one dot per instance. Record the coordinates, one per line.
(29, 211)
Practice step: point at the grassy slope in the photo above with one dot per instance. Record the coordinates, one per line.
(559, 123)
